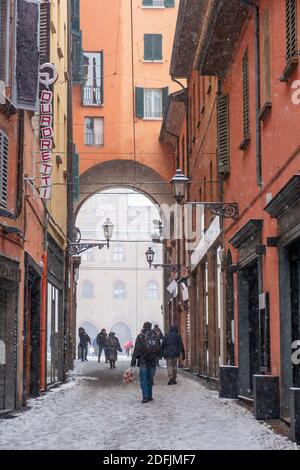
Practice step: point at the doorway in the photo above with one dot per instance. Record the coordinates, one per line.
(294, 256)
(249, 344)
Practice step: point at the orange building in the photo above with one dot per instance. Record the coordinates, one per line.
(122, 90)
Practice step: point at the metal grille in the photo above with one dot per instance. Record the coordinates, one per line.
(91, 96)
(223, 134)
(3, 39)
(246, 95)
(291, 29)
(3, 170)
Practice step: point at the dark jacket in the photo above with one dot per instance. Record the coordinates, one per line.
(139, 357)
(101, 340)
(112, 348)
(84, 339)
(172, 345)
(159, 334)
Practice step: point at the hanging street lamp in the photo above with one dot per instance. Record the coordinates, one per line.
(75, 248)
(228, 210)
(175, 268)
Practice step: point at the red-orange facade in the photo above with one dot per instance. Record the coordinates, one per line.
(243, 148)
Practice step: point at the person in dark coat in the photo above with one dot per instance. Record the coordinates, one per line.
(160, 337)
(112, 348)
(172, 348)
(84, 341)
(145, 361)
(101, 343)
(80, 332)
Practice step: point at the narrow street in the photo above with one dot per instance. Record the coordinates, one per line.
(95, 410)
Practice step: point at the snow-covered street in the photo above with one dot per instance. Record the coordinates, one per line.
(96, 410)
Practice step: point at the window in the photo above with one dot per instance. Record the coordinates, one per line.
(3, 170)
(92, 79)
(152, 290)
(153, 47)
(151, 103)
(88, 255)
(119, 291)
(267, 56)
(94, 131)
(118, 253)
(3, 39)
(88, 291)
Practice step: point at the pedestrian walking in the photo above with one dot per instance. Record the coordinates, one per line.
(112, 347)
(145, 354)
(101, 343)
(84, 341)
(160, 337)
(172, 348)
(80, 333)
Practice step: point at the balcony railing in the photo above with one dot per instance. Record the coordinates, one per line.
(153, 115)
(94, 140)
(158, 3)
(91, 96)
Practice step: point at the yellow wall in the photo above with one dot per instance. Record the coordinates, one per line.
(58, 46)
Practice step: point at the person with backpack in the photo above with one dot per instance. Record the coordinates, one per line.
(145, 354)
(112, 348)
(84, 341)
(101, 343)
(172, 348)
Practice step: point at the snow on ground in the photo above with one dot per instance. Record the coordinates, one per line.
(96, 410)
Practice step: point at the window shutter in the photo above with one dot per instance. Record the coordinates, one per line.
(45, 33)
(246, 95)
(148, 49)
(169, 3)
(3, 39)
(27, 22)
(102, 77)
(76, 192)
(139, 102)
(77, 58)
(223, 134)
(147, 3)
(157, 46)
(291, 29)
(75, 15)
(165, 99)
(3, 170)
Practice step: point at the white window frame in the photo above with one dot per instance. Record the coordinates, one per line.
(118, 254)
(89, 85)
(152, 117)
(117, 290)
(150, 291)
(94, 141)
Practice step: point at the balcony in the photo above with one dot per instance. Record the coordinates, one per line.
(91, 96)
(95, 139)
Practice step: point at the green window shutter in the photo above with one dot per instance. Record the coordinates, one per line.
(75, 15)
(76, 192)
(152, 47)
(147, 3)
(148, 48)
(223, 134)
(157, 46)
(77, 56)
(165, 99)
(139, 102)
(169, 3)
(44, 33)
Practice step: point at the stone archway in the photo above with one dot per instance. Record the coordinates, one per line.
(128, 173)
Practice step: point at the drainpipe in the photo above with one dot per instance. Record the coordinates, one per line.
(19, 201)
(257, 89)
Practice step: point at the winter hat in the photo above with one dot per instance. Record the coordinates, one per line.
(147, 326)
